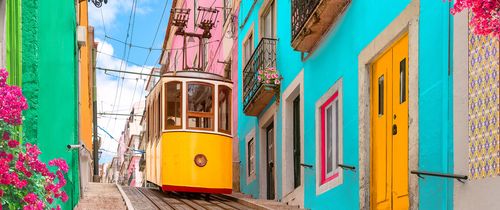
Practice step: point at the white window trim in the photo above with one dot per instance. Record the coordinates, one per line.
(321, 188)
(250, 177)
(264, 9)
(244, 59)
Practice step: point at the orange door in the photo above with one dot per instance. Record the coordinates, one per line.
(389, 126)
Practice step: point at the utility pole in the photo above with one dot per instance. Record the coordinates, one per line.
(95, 149)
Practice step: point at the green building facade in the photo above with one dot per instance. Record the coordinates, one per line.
(42, 57)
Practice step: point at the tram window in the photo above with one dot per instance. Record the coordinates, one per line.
(224, 109)
(173, 105)
(200, 106)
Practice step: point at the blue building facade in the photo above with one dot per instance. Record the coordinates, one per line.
(325, 58)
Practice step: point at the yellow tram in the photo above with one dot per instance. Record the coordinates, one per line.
(189, 134)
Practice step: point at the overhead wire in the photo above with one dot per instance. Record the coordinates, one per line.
(130, 30)
(152, 44)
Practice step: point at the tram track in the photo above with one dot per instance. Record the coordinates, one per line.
(152, 199)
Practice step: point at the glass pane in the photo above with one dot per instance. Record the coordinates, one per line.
(200, 98)
(296, 142)
(329, 139)
(173, 106)
(402, 81)
(336, 131)
(224, 108)
(381, 95)
(250, 157)
(200, 122)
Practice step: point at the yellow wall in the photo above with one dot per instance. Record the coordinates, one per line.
(85, 78)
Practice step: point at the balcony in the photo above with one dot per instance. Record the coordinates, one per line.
(257, 94)
(311, 19)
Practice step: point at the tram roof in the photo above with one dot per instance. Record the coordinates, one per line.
(197, 75)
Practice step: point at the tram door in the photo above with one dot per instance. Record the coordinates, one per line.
(270, 161)
(389, 126)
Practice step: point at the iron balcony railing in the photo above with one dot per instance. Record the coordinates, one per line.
(263, 57)
(301, 11)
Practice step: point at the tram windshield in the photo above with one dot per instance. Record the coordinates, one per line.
(200, 106)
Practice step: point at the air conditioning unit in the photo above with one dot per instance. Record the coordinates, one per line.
(81, 35)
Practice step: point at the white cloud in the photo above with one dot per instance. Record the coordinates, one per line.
(128, 93)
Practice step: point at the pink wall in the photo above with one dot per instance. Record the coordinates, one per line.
(214, 46)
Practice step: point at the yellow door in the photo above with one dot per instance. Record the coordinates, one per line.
(389, 126)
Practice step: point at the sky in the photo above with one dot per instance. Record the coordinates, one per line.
(118, 92)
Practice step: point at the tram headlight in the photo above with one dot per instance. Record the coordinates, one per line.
(200, 160)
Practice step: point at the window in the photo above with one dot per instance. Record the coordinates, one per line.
(224, 109)
(329, 138)
(227, 9)
(173, 105)
(195, 10)
(250, 168)
(247, 49)
(251, 157)
(200, 107)
(267, 22)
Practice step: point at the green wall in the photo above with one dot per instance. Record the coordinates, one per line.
(13, 41)
(50, 79)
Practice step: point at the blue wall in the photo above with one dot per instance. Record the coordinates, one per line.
(338, 57)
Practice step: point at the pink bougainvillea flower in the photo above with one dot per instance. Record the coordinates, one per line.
(30, 198)
(59, 163)
(486, 15)
(13, 143)
(6, 135)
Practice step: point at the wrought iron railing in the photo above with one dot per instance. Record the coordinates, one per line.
(263, 57)
(301, 11)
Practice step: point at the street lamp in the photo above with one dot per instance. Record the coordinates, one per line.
(98, 3)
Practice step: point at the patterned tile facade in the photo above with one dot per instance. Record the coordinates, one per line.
(484, 106)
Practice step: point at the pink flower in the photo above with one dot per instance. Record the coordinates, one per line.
(59, 163)
(1, 193)
(13, 143)
(486, 15)
(3, 77)
(277, 81)
(30, 198)
(64, 197)
(6, 135)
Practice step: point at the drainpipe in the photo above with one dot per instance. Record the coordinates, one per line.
(94, 123)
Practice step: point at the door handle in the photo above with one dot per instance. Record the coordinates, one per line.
(271, 164)
(394, 129)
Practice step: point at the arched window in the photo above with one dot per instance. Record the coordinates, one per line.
(173, 105)
(200, 111)
(224, 109)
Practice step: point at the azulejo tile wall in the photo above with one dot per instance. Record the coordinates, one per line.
(484, 106)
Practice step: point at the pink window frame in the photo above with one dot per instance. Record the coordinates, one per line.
(325, 179)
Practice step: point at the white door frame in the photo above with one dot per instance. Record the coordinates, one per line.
(406, 23)
(292, 196)
(265, 120)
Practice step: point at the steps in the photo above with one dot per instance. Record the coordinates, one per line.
(101, 196)
(260, 204)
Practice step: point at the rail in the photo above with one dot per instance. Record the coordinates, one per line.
(460, 178)
(301, 11)
(264, 56)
